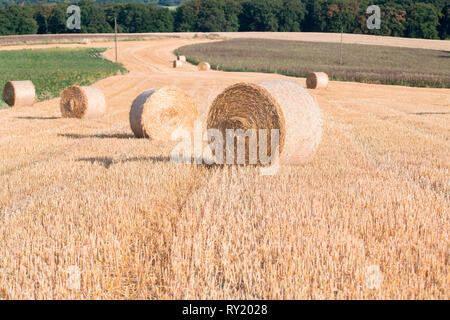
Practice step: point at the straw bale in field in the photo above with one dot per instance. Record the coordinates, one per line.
(156, 113)
(282, 105)
(82, 102)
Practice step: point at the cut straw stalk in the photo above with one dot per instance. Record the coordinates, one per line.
(282, 105)
(317, 80)
(157, 113)
(82, 102)
(19, 93)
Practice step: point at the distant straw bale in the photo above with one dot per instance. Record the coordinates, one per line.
(204, 66)
(317, 80)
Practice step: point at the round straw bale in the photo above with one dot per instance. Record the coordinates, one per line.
(204, 66)
(177, 63)
(181, 58)
(316, 80)
(158, 112)
(82, 102)
(19, 93)
(85, 41)
(282, 105)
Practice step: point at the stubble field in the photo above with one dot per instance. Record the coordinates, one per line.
(87, 196)
(360, 63)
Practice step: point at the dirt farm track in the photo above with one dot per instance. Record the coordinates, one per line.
(87, 196)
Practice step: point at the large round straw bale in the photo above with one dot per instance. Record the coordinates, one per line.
(158, 112)
(85, 41)
(19, 93)
(282, 105)
(177, 63)
(316, 80)
(82, 102)
(181, 58)
(204, 66)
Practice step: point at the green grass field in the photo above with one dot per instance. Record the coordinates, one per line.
(52, 70)
(361, 63)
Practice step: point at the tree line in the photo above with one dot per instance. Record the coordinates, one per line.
(167, 3)
(428, 19)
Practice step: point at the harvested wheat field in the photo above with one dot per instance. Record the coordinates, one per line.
(86, 197)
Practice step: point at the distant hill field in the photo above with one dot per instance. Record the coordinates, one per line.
(360, 63)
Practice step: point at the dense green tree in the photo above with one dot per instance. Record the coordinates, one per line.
(260, 15)
(393, 19)
(208, 15)
(17, 20)
(291, 15)
(93, 18)
(42, 15)
(162, 20)
(186, 17)
(57, 19)
(427, 19)
(422, 21)
(135, 18)
(312, 21)
(211, 17)
(444, 28)
(339, 15)
(6, 28)
(132, 18)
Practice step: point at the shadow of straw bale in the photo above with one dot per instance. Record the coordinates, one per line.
(104, 161)
(97, 136)
(107, 162)
(38, 118)
(428, 113)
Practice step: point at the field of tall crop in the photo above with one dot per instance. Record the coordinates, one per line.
(360, 63)
(87, 211)
(52, 70)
